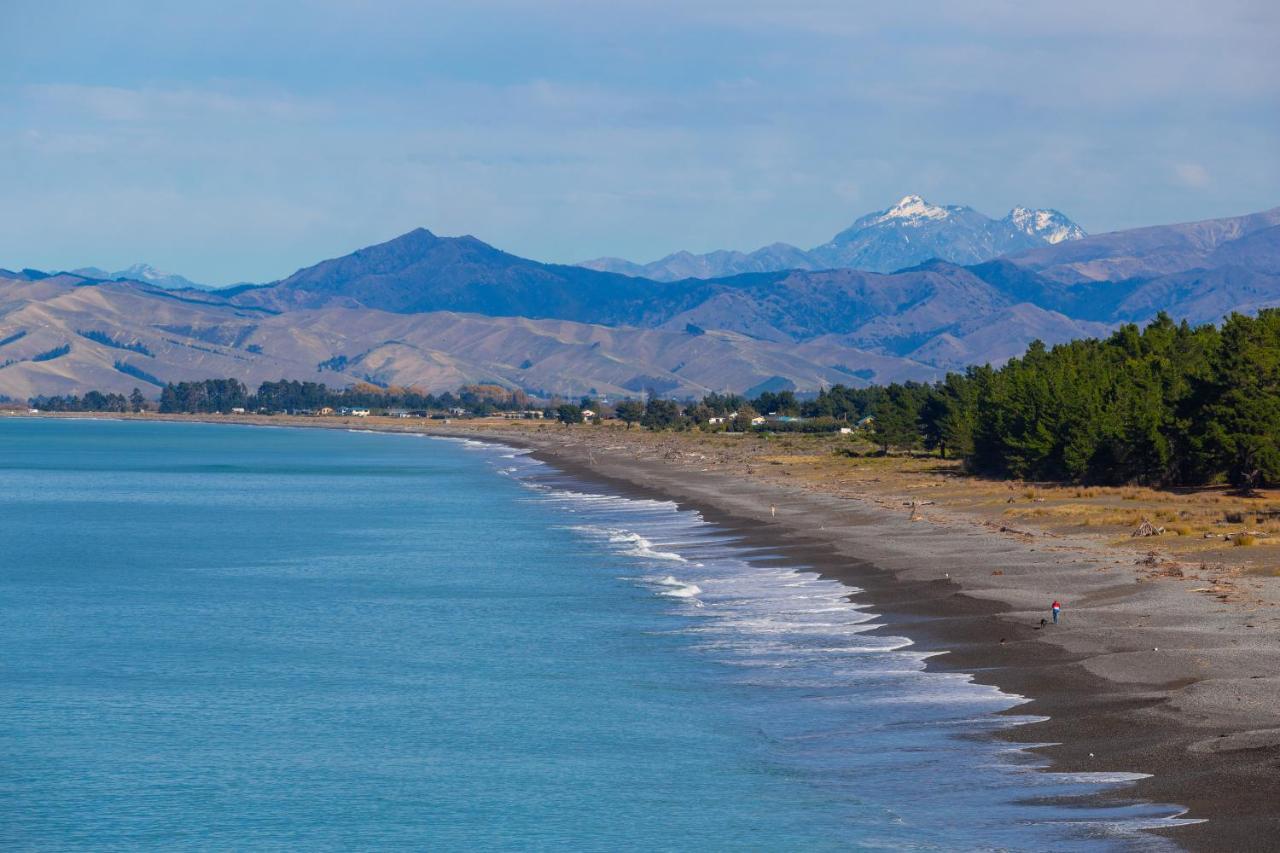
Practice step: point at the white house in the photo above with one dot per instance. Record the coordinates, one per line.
(846, 430)
(758, 419)
(715, 420)
(587, 415)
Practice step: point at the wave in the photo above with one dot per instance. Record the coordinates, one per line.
(814, 654)
(678, 588)
(673, 587)
(641, 547)
(632, 543)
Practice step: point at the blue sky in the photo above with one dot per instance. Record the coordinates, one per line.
(238, 141)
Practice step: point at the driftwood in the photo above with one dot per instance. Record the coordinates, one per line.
(1146, 528)
(1256, 534)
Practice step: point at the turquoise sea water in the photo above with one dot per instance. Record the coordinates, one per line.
(228, 637)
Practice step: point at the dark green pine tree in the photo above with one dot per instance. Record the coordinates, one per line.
(1240, 430)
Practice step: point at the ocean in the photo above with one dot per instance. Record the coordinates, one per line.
(227, 637)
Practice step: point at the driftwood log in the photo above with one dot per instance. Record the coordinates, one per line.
(1146, 528)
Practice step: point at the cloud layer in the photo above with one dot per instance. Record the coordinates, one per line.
(238, 141)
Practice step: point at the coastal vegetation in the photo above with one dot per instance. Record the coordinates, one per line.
(92, 401)
(1165, 405)
(293, 397)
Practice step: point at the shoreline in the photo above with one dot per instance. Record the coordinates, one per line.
(939, 617)
(1201, 716)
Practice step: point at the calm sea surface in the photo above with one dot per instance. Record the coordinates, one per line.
(237, 637)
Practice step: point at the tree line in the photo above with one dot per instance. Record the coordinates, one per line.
(92, 401)
(1169, 404)
(1165, 405)
(287, 395)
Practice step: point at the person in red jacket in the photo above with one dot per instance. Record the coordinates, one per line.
(1056, 607)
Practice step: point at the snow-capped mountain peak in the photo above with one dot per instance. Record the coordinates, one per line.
(908, 233)
(144, 273)
(1048, 225)
(912, 208)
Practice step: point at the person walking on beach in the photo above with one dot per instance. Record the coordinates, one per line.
(1056, 607)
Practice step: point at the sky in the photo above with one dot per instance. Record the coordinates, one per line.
(239, 141)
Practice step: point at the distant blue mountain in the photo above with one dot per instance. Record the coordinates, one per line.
(144, 273)
(907, 234)
(438, 312)
(938, 312)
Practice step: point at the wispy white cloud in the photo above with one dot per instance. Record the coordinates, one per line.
(120, 104)
(1192, 175)
(238, 141)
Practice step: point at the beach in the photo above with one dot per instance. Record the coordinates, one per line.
(1140, 676)
(1151, 670)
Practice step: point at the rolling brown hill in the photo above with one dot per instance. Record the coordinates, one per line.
(438, 312)
(62, 334)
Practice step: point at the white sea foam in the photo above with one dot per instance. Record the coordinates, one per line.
(638, 546)
(778, 628)
(673, 587)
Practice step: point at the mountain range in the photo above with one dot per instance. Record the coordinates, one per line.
(908, 233)
(438, 312)
(144, 273)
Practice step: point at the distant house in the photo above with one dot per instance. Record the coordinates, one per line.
(587, 415)
(359, 413)
(846, 430)
(398, 413)
(237, 410)
(716, 420)
(866, 423)
(457, 411)
(324, 410)
(758, 420)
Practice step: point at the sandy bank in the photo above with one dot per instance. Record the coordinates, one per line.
(1140, 676)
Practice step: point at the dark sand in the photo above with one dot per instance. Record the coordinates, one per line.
(1139, 677)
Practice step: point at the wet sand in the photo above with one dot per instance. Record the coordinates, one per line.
(1140, 676)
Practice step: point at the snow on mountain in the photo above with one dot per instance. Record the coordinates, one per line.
(910, 209)
(908, 233)
(144, 273)
(1049, 225)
